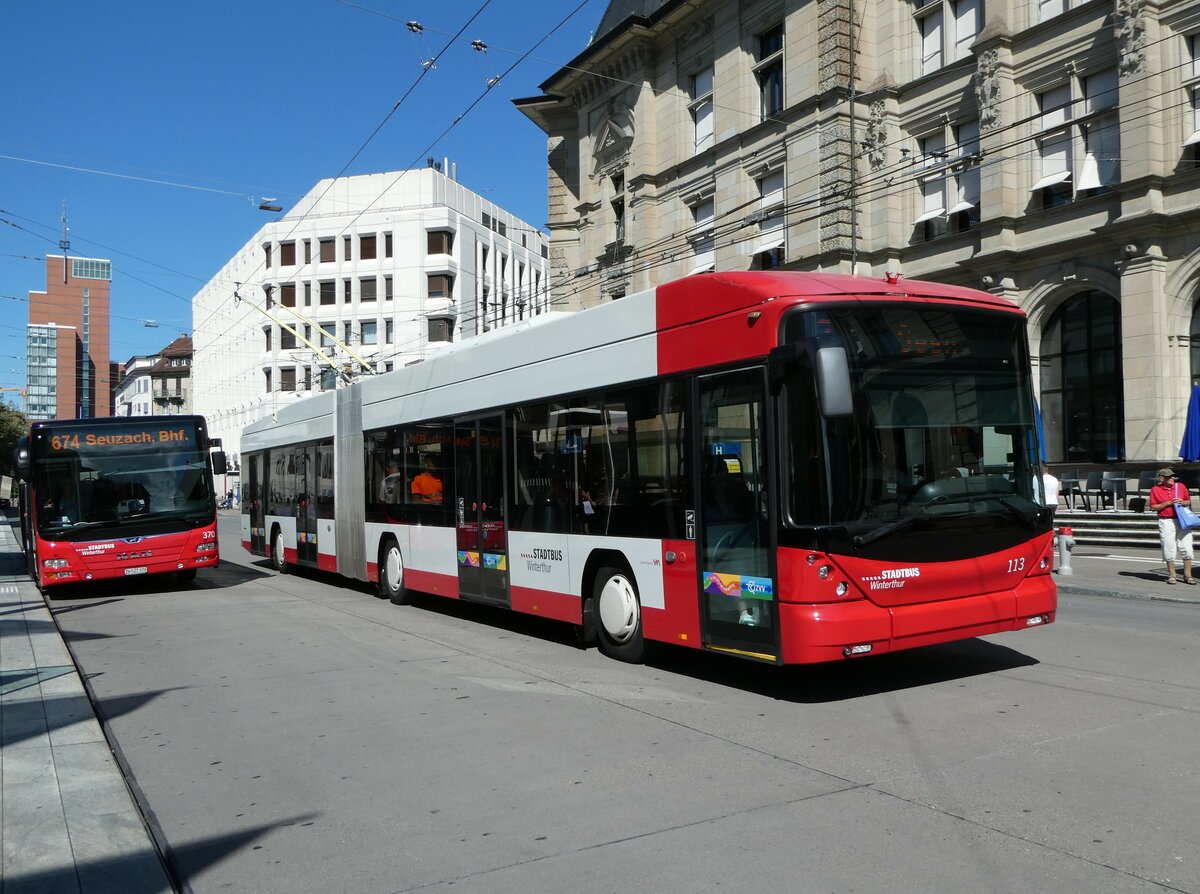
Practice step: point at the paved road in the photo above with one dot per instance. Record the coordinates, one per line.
(295, 734)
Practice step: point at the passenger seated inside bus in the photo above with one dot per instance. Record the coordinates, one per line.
(390, 485)
(427, 486)
(63, 505)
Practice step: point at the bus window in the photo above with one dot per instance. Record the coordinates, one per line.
(424, 473)
(645, 431)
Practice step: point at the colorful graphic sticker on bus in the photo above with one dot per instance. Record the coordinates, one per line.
(719, 583)
(757, 588)
(468, 559)
(495, 562)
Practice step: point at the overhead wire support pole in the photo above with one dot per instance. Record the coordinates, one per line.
(366, 364)
(274, 319)
(853, 150)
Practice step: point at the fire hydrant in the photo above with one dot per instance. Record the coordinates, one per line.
(1066, 543)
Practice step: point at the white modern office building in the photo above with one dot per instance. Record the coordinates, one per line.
(364, 274)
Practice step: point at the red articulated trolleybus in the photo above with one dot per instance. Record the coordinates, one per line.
(117, 497)
(786, 467)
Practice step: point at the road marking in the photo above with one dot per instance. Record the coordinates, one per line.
(1157, 561)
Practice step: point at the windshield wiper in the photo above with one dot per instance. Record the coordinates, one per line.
(74, 526)
(898, 525)
(1021, 515)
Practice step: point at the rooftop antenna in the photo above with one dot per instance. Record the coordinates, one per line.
(64, 243)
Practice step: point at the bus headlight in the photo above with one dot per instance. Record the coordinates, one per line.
(55, 563)
(205, 547)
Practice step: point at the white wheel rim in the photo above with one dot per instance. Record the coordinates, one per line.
(394, 568)
(618, 609)
(279, 547)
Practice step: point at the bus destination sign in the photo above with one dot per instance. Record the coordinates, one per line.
(124, 437)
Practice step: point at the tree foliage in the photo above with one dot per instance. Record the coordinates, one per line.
(13, 426)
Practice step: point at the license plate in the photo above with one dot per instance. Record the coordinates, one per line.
(129, 571)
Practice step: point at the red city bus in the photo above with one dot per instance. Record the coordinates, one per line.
(786, 467)
(117, 497)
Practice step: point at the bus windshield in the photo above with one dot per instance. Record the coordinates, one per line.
(938, 459)
(93, 479)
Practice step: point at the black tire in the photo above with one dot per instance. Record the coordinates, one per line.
(618, 613)
(391, 575)
(188, 574)
(278, 562)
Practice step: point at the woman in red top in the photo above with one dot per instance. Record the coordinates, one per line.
(1164, 497)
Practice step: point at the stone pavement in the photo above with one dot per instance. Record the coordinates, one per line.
(68, 821)
(1124, 573)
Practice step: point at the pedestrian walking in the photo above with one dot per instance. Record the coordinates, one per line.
(1175, 541)
(1050, 489)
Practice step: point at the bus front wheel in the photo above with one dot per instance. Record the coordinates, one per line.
(618, 615)
(277, 560)
(391, 575)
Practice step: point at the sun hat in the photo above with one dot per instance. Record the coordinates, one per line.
(1166, 473)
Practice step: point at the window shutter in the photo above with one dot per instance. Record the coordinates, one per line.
(931, 41)
(1101, 89)
(966, 27)
(1056, 106)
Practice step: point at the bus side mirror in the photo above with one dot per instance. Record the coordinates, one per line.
(783, 362)
(21, 458)
(220, 467)
(833, 382)
(830, 365)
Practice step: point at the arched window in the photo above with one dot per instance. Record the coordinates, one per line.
(1194, 341)
(1082, 394)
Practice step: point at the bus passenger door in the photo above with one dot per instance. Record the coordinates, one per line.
(252, 499)
(737, 585)
(479, 510)
(306, 505)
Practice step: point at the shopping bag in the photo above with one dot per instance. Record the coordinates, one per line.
(1187, 519)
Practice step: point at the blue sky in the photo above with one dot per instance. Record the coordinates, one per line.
(225, 102)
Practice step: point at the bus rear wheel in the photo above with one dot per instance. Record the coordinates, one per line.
(618, 615)
(277, 560)
(391, 575)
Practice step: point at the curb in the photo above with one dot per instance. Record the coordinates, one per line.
(1075, 590)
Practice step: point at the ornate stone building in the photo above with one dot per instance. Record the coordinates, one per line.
(1043, 150)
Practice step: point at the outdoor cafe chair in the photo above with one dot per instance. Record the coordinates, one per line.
(1114, 485)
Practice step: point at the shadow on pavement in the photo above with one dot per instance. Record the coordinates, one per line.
(842, 680)
(142, 872)
(238, 572)
(189, 860)
(1157, 577)
(809, 684)
(108, 709)
(61, 610)
(24, 720)
(13, 627)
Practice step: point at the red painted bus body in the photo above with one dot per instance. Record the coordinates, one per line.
(116, 498)
(787, 467)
